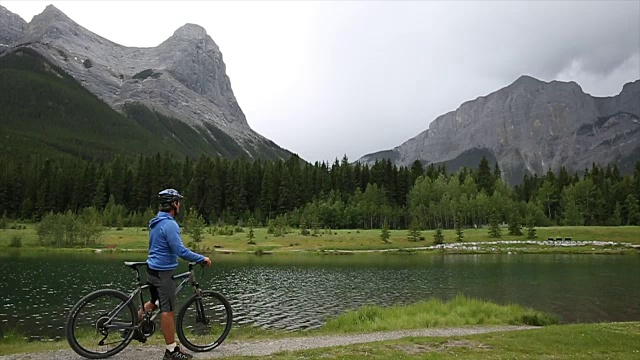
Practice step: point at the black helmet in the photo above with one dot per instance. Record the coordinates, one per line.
(167, 197)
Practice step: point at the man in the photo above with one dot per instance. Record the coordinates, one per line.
(165, 246)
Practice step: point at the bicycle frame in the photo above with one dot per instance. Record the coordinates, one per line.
(188, 276)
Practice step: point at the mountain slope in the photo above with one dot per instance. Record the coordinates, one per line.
(531, 126)
(45, 111)
(183, 78)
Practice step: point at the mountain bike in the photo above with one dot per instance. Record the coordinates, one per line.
(103, 322)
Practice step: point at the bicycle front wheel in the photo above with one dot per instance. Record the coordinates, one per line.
(204, 321)
(100, 324)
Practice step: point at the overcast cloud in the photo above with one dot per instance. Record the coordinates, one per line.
(324, 79)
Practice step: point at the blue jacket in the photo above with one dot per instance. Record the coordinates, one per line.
(165, 244)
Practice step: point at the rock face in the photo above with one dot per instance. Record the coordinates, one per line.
(184, 77)
(531, 126)
(11, 28)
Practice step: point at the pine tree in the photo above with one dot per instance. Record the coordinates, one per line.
(484, 178)
(515, 225)
(531, 230)
(250, 235)
(417, 170)
(633, 210)
(459, 226)
(616, 218)
(385, 234)
(194, 225)
(414, 230)
(438, 237)
(494, 224)
(303, 226)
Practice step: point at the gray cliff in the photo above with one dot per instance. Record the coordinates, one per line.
(531, 126)
(12, 27)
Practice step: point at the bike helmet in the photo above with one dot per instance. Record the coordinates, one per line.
(167, 197)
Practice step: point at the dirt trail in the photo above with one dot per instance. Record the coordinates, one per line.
(268, 347)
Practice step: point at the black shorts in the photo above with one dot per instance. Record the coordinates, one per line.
(162, 288)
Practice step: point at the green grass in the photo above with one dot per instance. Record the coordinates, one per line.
(460, 311)
(619, 341)
(137, 239)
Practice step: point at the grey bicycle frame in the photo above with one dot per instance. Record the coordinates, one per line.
(189, 277)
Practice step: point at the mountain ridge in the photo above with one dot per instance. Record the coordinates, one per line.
(534, 123)
(184, 77)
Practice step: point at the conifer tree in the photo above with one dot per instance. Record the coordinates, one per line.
(414, 230)
(459, 228)
(438, 237)
(385, 234)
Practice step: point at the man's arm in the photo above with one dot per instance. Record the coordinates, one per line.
(178, 248)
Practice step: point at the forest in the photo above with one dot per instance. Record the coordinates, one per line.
(322, 195)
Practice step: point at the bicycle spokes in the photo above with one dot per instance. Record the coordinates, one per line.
(100, 325)
(204, 321)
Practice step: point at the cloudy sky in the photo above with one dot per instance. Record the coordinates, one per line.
(324, 79)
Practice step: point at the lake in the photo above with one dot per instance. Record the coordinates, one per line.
(299, 291)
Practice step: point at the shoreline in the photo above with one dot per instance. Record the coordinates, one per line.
(462, 248)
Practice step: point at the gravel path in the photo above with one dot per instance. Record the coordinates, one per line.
(268, 347)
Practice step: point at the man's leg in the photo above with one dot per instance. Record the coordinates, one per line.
(149, 306)
(167, 296)
(168, 327)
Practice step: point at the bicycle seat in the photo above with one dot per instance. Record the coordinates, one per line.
(134, 264)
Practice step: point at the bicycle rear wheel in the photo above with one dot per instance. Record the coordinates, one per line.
(204, 321)
(89, 331)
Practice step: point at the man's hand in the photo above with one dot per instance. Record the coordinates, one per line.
(206, 261)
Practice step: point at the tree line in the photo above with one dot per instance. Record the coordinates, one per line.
(319, 195)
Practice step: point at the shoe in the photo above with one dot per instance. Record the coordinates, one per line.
(177, 353)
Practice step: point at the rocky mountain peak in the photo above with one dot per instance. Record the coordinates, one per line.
(184, 77)
(50, 15)
(526, 80)
(531, 126)
(12, 27)
(190, 31)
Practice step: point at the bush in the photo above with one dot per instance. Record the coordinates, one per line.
(87, 63)
(70, 230)
(16, 241)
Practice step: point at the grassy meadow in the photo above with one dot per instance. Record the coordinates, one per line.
(136, 239)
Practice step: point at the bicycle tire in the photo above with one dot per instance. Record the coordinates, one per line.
(188, 310)
(72, 319)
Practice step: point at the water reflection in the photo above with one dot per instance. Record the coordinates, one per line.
(300, 291)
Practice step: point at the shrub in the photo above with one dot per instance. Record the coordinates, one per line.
(87, 63)
(16, 241)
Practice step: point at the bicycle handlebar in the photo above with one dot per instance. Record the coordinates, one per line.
(192, 264)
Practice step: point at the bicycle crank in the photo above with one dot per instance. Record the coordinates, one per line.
(148, 328)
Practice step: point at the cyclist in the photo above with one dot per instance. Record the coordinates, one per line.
(165, 246)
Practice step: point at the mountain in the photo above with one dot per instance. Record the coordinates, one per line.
(47, 112)
(183, 78)
(11, 28)
(529, 127)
